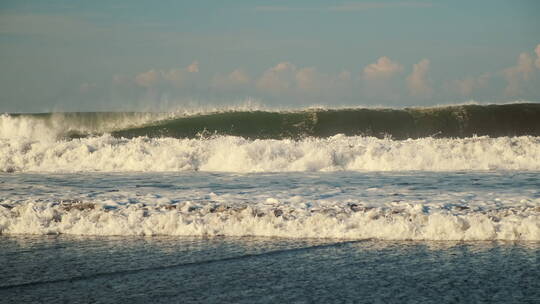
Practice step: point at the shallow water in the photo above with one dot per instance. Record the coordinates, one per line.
(76, 269)
(301, 237)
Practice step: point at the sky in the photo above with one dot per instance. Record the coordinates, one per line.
(112, 55)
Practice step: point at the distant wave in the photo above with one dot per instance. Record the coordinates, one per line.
(458, 121)
(236, 154)
(453, 121)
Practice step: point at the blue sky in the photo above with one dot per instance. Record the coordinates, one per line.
(164, 55)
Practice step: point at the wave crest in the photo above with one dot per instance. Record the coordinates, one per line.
(442, 122)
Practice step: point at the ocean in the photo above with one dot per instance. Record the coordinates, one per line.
(372, 205)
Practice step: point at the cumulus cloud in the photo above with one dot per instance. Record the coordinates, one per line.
(278, 79)
(418, 81)
(286, 78)
(379, 81)
(384, 68)
(312, 81)
(306, 79)
(236, 79)
(175, 77)
(467, 86)
(147, 79)
(517, 75)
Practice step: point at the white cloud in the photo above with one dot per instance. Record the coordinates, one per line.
(311, 81)
(537, 51)
(467, 86)
(278, 79)
(287, 78)
(239, 77)
(147, 79)
(175, 77)
(379, 81)
(517, 75)
(384, 68)
(236, 79)
(418, 81)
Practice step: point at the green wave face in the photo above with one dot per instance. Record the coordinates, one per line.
(452, 121)
(256, 124)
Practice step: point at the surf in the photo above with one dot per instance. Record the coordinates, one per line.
(456, 121)
(442, 122)
(237, 154)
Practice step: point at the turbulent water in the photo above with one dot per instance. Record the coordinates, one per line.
(466, 172)
(346, 205)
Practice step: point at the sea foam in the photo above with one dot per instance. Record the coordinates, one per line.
(235, 154)
(274, 219)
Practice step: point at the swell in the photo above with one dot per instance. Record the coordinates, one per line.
(444, 122)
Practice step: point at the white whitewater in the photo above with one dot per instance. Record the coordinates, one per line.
(52, 126)
(233, 154)
(33, 152)
(346, 205)
(272, 218)
(37, 144)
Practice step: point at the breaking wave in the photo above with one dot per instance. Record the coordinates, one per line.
(458, 121)
(275, 219)
(462, 137)
(442, 122)
(236, 154)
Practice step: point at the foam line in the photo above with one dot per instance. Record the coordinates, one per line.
(404, 221)
(235, 154)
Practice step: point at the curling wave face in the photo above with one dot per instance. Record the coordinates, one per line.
(258, 141)
(441, 122)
